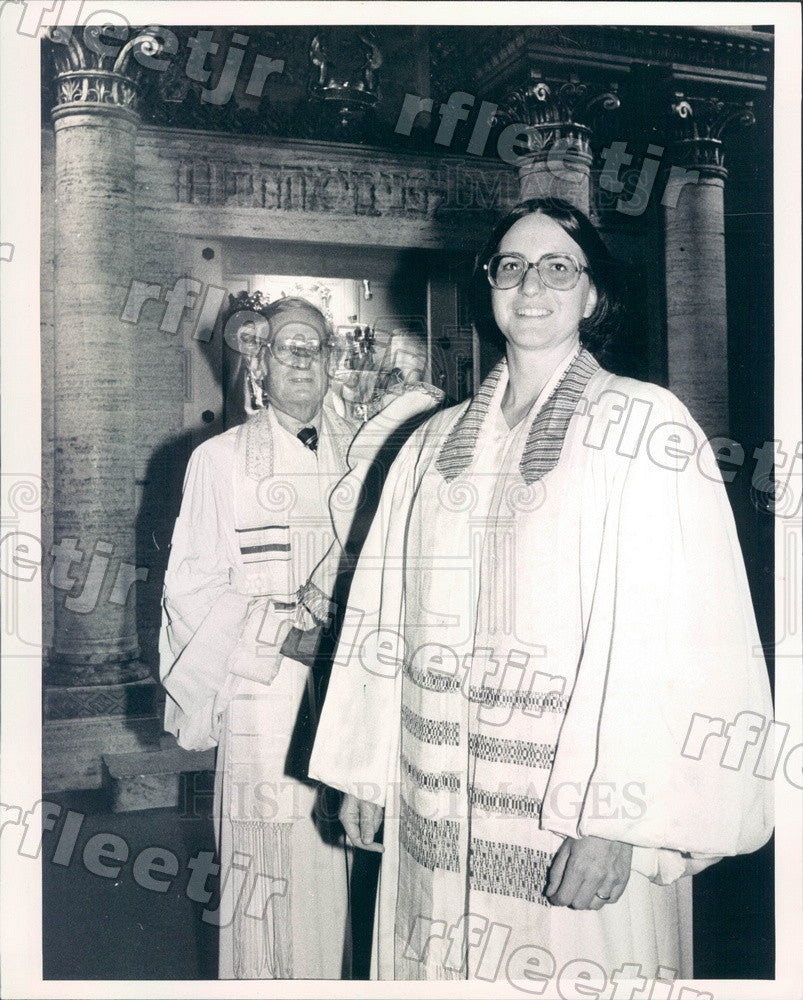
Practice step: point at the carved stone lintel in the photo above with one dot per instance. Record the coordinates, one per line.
(346, 188)
(697, 126)
(558, 113)
(95, 76)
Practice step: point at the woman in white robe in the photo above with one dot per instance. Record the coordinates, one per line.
(551, 592)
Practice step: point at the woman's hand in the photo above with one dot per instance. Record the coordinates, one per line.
(588, 873)
(361, 820)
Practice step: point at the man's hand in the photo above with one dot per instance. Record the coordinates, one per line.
(588, 873)
(361, 820)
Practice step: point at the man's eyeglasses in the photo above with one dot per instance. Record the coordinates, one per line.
(560, 271)
(297, 352)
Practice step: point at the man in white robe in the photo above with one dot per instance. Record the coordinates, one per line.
(254, 523)
(537, 617)
(268, 527)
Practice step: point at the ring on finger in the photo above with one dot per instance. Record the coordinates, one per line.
(605, 899)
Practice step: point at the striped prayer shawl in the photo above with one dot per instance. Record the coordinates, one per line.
(272, 541)
(545, 437)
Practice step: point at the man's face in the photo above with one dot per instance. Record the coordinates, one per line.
(296, 380)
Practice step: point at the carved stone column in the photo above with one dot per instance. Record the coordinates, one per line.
(557, 117)
(95, 119)
(694, 227)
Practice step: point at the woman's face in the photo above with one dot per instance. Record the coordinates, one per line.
(532, 316)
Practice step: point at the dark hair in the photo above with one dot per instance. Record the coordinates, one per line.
(598, 329)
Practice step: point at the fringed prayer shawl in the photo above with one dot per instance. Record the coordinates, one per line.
(254, 522)
(536, 617)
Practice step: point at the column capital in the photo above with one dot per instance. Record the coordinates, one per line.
(93, 76)
(696, 127)
(558, 112)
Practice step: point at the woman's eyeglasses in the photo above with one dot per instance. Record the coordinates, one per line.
(560, 271)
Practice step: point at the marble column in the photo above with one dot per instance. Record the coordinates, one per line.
(556, 117)
(93, 660)
(694, 233)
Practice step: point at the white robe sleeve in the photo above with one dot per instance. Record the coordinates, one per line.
(396, 418)
(359, 725)
(198, 568)
(198, 625)
(671, 650)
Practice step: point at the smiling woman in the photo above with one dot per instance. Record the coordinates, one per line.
(542, 311)
(560, 228)
(594, 596)
(551, 289)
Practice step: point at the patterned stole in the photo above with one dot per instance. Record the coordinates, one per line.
(263, 535)
(256, 457)
(458, 448)
(546, 435)
(263, 504)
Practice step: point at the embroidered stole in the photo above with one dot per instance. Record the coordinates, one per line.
(545, 439)
(473, 763)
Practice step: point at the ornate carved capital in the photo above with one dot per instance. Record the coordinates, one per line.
(93, 75)
(558, 113)
(697, 126)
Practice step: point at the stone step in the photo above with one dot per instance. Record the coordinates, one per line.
(151, 779)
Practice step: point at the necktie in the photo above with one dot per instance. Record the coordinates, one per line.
(308, 436)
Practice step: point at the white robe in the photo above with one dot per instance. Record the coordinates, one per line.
(254, 523)
(536, 617)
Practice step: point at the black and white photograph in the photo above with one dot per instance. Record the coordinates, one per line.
(401, 500)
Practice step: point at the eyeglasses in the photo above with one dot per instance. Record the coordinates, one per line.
(249, 341)
(297, 352)
(560, 271)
